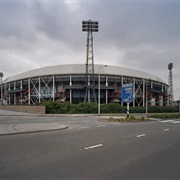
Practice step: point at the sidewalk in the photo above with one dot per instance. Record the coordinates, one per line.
(15, 128)
(29, 128)
(19, 128)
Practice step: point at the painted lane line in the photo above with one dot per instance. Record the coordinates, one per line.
(166, 130)
(175, 122)
(101, 125)
(116, 124)
(95, 146)
(141, 135)
(167, 121)
(86, 127)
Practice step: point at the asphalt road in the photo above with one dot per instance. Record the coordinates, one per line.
(94, 150)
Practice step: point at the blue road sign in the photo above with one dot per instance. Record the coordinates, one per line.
(127, 93)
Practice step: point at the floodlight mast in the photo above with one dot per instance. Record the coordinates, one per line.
(90, 27)
(170, 83)
(1, 91)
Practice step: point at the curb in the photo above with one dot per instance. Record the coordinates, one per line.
(32, 131)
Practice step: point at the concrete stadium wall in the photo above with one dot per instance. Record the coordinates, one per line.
(27, 109)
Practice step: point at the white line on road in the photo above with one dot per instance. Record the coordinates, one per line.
(166, 130)
(83, 127)
(95, 146)
(116, 124)
(141, 135)
(175, 122)
(101, 125)
(167, 121)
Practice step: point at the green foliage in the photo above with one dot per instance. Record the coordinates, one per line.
(142, 118)
(128, 119)
(162, 109)
(166, 116)
(112, 108)
(86, 108)
(55, 107)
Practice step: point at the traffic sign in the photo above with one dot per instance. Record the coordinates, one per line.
(127, 93)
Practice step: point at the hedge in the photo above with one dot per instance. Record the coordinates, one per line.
(55, 107)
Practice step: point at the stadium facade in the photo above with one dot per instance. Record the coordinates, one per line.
(67, 83)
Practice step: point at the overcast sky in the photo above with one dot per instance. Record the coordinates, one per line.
(138, 34)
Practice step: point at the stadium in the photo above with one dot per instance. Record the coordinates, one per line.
(68, 83)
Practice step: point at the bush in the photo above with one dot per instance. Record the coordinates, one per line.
(86, 108)
(137, 109)
(162, 109)
(111, 108)
(55, 107)
(165, 116)
(128, 119)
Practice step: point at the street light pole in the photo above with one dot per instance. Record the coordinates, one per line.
(178, 100)
(99, 91)
(147, 95)
(146, 100)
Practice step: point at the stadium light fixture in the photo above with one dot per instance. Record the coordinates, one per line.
(90, 25)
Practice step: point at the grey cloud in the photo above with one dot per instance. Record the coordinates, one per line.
(15, 19)
(134, 24)
(136, 34)
(57, 22)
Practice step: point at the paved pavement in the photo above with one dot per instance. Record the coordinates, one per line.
(12, 122)
(14, 128)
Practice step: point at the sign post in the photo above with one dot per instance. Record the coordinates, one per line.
(127, 95)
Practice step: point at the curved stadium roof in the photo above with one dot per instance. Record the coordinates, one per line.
(80, 69)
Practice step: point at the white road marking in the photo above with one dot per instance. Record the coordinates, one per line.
(83, 127)
(101, 125)
(141, 135)
(95, 146)
(167, 121)
(166, 130)
(175, 122)
(116, 124)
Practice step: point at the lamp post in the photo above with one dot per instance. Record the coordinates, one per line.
(178, 100)
(146, 100)
(147, 96)
(99, 91)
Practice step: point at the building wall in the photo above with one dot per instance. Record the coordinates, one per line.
(23, 108)
(71, 88)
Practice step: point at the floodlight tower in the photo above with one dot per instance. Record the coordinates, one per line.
(170, 83)
(1, 76)
(90, 27)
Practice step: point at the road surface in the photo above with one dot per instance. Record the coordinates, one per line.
(91, 149)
